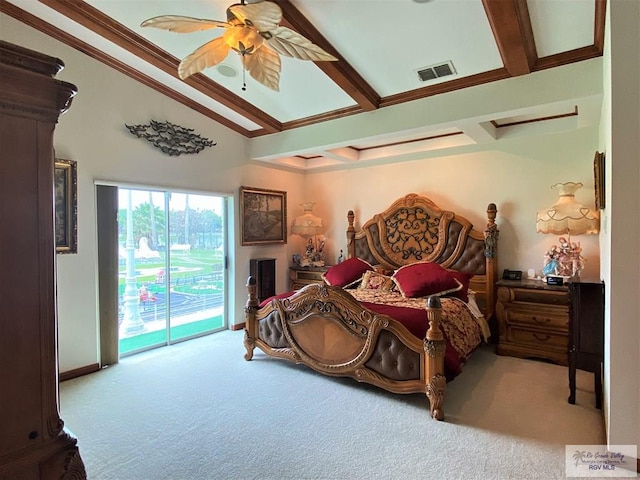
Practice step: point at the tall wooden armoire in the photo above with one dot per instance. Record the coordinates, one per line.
(33, 441)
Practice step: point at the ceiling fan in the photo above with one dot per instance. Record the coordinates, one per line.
(254, 32)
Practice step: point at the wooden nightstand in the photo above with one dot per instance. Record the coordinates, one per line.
(533, 320)
(301, 276)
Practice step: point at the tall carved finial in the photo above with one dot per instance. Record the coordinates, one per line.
(351, 234)
(350, 218)
(491, 232)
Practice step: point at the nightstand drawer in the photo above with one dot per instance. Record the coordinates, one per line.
(543, 339)
(533, 320)
(544, 297)
(301, 276)
(540, 318)
(309, 276)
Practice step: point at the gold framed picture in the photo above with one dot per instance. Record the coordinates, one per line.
(263, 216)
(598, 180)
(66, 205)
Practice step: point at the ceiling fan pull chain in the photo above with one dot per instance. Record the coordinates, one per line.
(244, 73)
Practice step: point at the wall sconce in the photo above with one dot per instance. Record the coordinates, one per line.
(309, 226)
(566, 217)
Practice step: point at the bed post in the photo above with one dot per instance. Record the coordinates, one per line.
(434, 347)
(491, 258)
(250, 310)
(351, 235)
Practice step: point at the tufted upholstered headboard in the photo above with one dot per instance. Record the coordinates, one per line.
(414, 229)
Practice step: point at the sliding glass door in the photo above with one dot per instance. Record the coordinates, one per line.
(171, 267)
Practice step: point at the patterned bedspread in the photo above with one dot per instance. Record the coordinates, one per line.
(464, 331)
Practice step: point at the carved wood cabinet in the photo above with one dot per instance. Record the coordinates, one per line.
(586, 339)
(533, 320)
(33, 441)
(264, 271)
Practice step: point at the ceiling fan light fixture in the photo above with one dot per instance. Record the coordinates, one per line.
(243, 39)
(253, 31)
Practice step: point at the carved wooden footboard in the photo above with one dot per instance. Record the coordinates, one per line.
(326, 329)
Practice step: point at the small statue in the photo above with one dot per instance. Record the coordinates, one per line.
(565, 260)
(309, 250)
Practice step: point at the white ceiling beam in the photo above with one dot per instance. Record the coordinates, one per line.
(480, 132)
(571, 83)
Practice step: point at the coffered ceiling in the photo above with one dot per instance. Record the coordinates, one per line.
(381, 45)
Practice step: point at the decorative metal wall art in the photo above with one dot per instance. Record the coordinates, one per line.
(172, 139)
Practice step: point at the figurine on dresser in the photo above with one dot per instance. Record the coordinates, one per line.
(313, 256)
(564, 260)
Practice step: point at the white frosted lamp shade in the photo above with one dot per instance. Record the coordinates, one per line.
(567, 216)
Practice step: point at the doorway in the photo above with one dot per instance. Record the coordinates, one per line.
(171, 267)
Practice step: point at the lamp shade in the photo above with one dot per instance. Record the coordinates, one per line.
(307, 224)
(567, 216)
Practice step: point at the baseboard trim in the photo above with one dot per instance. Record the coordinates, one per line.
(78, 372)
(237, 326)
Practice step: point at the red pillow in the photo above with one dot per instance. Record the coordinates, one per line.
(347, 272)
(424, 279)
(464, 279)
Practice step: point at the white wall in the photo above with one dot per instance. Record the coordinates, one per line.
(92, 133)
(514, 174)
(621, 236)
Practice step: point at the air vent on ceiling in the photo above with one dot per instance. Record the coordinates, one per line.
(436, 71)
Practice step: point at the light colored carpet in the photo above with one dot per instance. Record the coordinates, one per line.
(198, 410)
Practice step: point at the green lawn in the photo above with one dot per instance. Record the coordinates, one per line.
(178, 332)
(206, 262)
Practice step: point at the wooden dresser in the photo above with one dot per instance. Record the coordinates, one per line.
(533, 320)
(301, 276)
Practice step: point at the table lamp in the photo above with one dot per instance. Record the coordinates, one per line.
(566, 217)
(309, 226)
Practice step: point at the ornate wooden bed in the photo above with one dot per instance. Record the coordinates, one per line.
(325, 328)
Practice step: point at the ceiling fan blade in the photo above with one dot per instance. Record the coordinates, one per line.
(265, 16)
(181, 24)
(264, 66)
(287, 42)
(208, 55)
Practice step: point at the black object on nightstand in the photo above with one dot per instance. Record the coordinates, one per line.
(586, 334)
(264, 271)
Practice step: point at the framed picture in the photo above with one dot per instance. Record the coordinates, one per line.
(263, 216)
(66, 205)
(598, 180)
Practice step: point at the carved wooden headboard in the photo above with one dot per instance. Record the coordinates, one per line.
(414, 229)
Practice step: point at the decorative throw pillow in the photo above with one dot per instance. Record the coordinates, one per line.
(383, 270)
(373, 280)
(424, 279)
(346, 273)
(464, 279)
